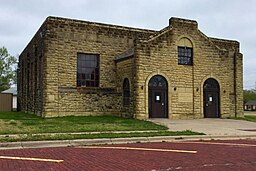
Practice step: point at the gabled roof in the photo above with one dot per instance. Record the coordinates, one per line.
(251, 102)
(12, 90)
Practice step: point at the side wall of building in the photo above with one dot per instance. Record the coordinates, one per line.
(65, 39)
(31, 75)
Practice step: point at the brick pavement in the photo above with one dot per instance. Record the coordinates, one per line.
(210, 155)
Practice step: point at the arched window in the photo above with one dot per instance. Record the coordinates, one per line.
(126, 92)
(211, 85)
(157, 82)
(185, 51)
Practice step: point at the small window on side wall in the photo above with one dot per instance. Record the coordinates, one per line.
(126, 92)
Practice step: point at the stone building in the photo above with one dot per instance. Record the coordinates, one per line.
(73, 67)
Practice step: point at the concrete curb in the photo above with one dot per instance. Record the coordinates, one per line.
(78, 133)
(105, 141)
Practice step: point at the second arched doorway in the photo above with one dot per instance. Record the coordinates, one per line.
(211, 98)
(158, 97)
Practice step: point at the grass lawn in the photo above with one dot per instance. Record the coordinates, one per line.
(20, 123)
(247, 118)
(28, 124)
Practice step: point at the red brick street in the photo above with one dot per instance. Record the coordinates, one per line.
(197, 155)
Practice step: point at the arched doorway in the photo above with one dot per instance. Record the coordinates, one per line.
(211, 98)
(158, 97)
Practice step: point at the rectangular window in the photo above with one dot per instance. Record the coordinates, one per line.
(87, 70)
(185, 55)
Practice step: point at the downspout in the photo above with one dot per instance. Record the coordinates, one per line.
(193, 82)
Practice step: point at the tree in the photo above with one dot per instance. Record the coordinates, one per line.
(8, 67)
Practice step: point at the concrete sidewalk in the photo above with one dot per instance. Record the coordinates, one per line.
(211, 127)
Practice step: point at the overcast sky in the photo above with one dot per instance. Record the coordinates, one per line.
(228, 19)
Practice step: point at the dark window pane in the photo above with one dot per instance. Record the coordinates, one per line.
(83, 63)
(93, 64)
(92, 76)
(96, 84)
(90, 57)
(83, 57)
(83, 76)
(157, 82)
(78, 83)
(92, 84)
(87, 76)
(78, 64)
(185, 55)
(88, 83)
(89, 64)
(89, 70)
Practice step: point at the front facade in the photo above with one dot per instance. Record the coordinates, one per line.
(74, 67)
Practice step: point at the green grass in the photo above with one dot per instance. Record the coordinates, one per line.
(30, 137)
(247, 118)
(22, 123)
(29, 127)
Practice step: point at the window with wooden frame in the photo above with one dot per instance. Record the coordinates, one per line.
(126, 92)
(87, 70)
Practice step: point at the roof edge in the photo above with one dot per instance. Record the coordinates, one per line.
(54, 18)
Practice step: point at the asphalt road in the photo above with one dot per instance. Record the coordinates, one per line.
(197, 155)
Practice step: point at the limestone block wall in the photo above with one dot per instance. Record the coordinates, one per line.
(126, 69)
(159, 56)
(65, 38)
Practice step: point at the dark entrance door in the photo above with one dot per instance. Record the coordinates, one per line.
(158, 99)
(211, 99)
